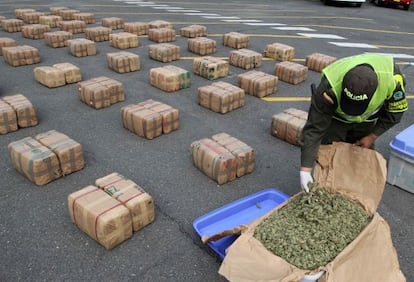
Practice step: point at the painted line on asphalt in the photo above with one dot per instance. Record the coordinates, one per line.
(293, 28)
(264, 24)
(353, 45)
(321, 35)
(397, 56)
(243, 21)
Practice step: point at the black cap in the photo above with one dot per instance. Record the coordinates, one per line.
(358, 87)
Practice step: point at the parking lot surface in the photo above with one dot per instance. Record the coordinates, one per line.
(37, 238)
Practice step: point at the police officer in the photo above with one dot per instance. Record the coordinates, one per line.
(358, 99)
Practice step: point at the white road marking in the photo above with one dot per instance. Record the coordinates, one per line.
(264, 24)
(394, 55)
(220, 17)
(243, 21)
(293, 28)
(201, 14)
(167, 7)
(354, 45)
(184, 11)
(321, 35)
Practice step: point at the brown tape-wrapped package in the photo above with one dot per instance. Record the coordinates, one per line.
(280, 52)
(170, 116)
(142, 121)
(35, 161)
(68, 151)
(49, 76)
(57, 38)
(50, 20)
(161, 35)
(98, 33)
(214, 160)
(123, 40)
(25, 111)
(170, 78)
(101, 92)
(160, 24)
(6, 42)
(8, 118)
(116, 89)
(139, 203)
(245, 58)
(291, 72)
(194, 30)
(113, 22)
(73, 26)
(33, 17)
(19, 13)
(56, 10)
(138, 28)
(236, 40)
(100, 216)
(123, 62)
(72, 72)
(221, 97)
(257, 83)
(88, 18)
(21, 55)
(210, 67)
(288, 125)
(68, 14)
(164, 52)
(245, 155)
(318, 61)
(82, 47)
(202, 45)
(12, 25)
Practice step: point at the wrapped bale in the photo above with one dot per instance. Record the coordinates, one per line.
(214, 160)
(202, 45)
(35, 31)
(142, 121)
(49, 76)
(72, 73)
(245, 155)
(102, 217)
(1, 19)
(68, 151)
(25, 111)
(161, 35)
(113, 22)
(210, 67)
(98, 33)
(291, 72)
(8, 118)
(160, 24)
(101, 92)
(68, 14)
(21, 55)
(236, 40)
(245, 58)
(123, 62)
(137, 28)
(82, 47)
(288, 125)
(170, 78)
(257, 83)
(139, 203)
(318, 61)
(57, 39)
(220, 97)
(88, 18)
(194, 30)
(35, 161)
(33, 17)
(73, 26)
(50, 20)
(280, 52)
(56, 10)
(19, 13)
(123, 40)
(164, 52)
(170, 116)
(6, 42)
(12, 25)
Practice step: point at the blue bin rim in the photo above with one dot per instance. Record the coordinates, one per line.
(403, 134)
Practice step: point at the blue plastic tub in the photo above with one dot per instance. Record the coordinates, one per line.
(242, 211)
(401, 161)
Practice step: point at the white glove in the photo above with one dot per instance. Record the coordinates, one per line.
(305, 178)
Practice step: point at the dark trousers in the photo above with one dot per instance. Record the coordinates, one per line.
(347, 132)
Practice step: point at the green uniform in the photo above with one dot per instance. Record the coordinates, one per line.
(327, 123)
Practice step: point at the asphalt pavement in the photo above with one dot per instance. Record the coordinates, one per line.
(37, 238)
